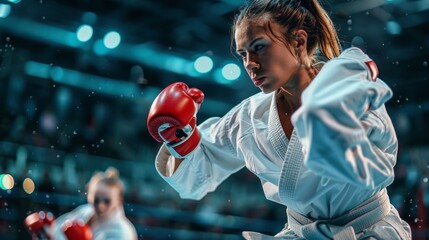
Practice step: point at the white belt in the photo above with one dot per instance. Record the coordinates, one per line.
(344, 227)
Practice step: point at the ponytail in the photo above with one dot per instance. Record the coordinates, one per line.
(328, 41)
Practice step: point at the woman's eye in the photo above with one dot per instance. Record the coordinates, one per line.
(242, 54)
(258, 47)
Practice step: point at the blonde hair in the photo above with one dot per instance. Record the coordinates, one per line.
(292, 15)
(110, 177)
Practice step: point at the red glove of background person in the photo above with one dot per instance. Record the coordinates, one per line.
(77, 230)
(39, 224)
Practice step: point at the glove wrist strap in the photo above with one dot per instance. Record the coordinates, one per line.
(183, 148)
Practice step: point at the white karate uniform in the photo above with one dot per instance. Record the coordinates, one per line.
(341, 153)
(116, 227)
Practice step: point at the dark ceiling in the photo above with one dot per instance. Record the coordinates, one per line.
(394, 33)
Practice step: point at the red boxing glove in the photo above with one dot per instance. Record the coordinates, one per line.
(77, 230)
(38, 224)
(172, 118)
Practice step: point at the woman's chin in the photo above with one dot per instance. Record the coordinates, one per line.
(101, 215)
(266, 88)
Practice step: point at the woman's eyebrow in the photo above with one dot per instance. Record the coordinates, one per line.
(250, 44)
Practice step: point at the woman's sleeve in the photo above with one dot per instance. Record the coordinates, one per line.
(56, 229)
(344, 128)
(209, 164)
(113, 232)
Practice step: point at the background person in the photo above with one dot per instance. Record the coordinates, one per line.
(104, 213)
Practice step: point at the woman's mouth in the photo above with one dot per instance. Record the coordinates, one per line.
(259, 81)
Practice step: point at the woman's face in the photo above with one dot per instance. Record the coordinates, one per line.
(105, 199)
(269, 62)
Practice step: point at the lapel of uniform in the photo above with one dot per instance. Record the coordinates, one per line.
(288, 151)
(276, 134)
(291, 168)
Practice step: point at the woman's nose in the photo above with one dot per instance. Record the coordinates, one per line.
(101, 207)
(251, 64)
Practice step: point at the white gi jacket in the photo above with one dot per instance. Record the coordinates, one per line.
(116, 227)
(339, 155)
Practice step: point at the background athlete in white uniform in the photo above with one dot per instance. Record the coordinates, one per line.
(104, 213)
(318, 136)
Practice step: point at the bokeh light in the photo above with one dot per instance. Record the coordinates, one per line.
(203, 64)
(112, 39)
(4, 10)
(6, 181)
(393, 28)
(84, 33)
(231, 71)
(28, 185)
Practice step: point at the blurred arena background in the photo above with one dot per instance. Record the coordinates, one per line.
(77, 79)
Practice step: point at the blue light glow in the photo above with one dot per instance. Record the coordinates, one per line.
(231, 71)
(393, 28)
(4, 10)
(37, 69)
(99, 48)
(57, 73)
(84, 33)
(112, 39)
(203, 64)
(82, 80)
(89, 18)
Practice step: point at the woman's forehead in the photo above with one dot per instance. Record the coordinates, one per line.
(246, 33)
(249, 30)
(101, 187)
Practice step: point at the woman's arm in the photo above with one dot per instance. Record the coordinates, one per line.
(344, 128)
(212, 161)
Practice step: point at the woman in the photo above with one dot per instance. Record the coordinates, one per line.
(104, 213)
(318, 135)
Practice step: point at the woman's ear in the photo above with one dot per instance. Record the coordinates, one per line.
(90, 192)
(300, 45)
(301, 39)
